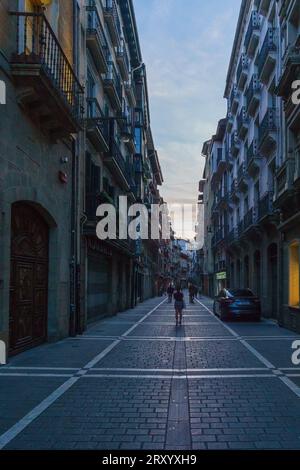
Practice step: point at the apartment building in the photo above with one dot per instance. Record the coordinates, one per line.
(39, 128)
(77, 101)
(252, 160)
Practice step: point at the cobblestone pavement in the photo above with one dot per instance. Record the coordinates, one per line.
(135, 381)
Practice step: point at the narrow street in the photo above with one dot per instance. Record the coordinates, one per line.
(136, 382)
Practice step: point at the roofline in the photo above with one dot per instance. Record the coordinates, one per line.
(245, 5)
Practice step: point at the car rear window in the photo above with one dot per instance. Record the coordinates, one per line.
(240, 293)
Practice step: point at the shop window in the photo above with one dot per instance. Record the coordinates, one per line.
(294, 275)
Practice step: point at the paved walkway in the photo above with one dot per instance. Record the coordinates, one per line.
(136, 382)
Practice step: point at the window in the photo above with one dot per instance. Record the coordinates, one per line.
(138, 140)
(294, 275)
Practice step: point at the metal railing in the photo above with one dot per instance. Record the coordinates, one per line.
(95, 117)
(250, 218)
(36, 43)
(265, 205)
(242, 119)
(267, 125)
(253, 88)
(121, 52)
(94, 25)
(111, 7)
(254, 25)
(242, 172)
(234, 94)
(243, 66)
(268, 46)
(116, 153)
(113, 76)
(252, 152)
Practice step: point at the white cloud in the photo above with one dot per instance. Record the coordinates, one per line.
(186, 46)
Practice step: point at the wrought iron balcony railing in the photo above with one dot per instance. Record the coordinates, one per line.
(268, 48)
(253, 94)
(242, 122)
(265, 205)
(113, 21)
(97, 124)
(116, 154)
(112, 85)
(39, 59)
(267, 129)
(242, 70)
(123, 60)
(96, 39)
(253, 27)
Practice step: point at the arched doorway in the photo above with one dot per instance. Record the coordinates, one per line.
(273, 279)
(29, 278)
(257, 271)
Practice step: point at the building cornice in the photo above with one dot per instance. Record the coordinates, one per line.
(245, 7)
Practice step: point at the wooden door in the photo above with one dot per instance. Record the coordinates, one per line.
(29, 278)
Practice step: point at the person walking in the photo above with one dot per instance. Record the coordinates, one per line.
(191, 293)
(170, 292)
(179, 305)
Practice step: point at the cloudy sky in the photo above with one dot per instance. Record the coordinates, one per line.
(186, 46)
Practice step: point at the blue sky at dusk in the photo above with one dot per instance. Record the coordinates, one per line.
(186, 46)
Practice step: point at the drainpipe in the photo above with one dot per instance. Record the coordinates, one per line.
(73, 264)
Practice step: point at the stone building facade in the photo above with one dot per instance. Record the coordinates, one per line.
(252, 163)
(74, 132)
(38, 128)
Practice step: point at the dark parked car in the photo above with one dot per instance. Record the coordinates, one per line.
(236, 304)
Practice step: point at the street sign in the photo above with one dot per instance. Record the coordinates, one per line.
(221, 276)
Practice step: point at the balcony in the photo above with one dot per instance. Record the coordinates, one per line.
(232, 236)
(291, 64)
(230, 122)
(267, 134)
(234, 191)
(252, 34)
(285, 183)
(242, 123)
(267, 56)
(128, 135)
(234, 144)
(49, 90)
(243, 178)
(219, 237)
(250, 221)
(112, 19)
(242, 72)
(92, 202)
(123, 60)
(265, 207)
(221, 167)
(113, 87)
(118, 166)
(95, 38)
(130, 93)
(234, 100)
(229, 160)
(240, 228)
(253, 159)
(97, 127)
(263, 7)
(253, 95)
